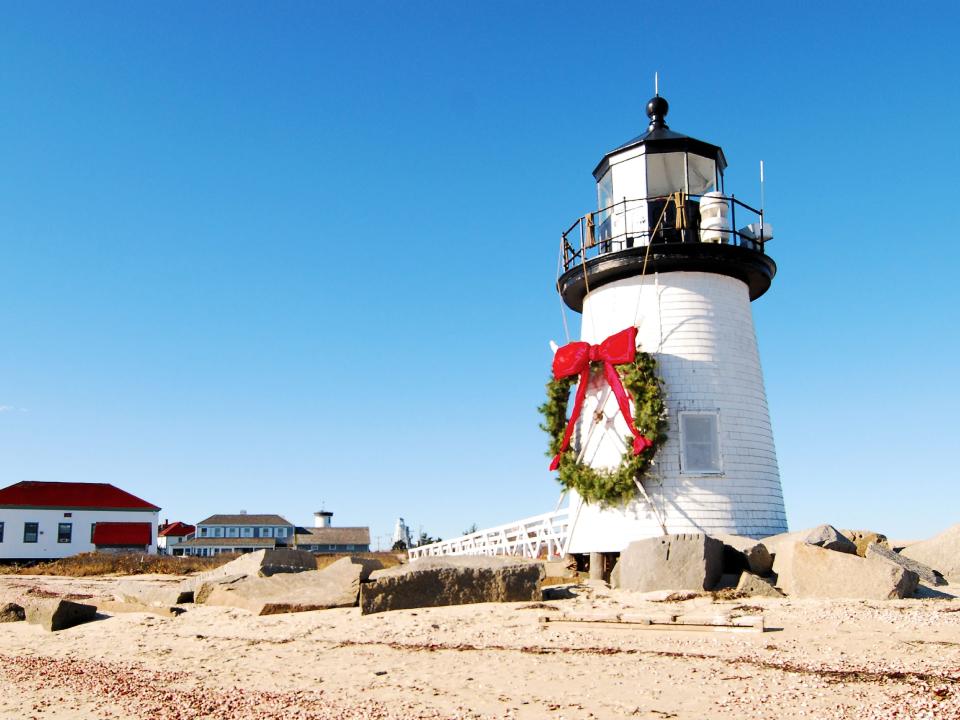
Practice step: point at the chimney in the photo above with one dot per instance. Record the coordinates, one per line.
(323, 518)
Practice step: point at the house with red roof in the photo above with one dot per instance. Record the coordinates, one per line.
(171, 534)
(49, 520)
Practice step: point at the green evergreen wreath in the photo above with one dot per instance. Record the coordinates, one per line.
(610, 487)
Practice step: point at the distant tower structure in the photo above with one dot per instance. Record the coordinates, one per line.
(664, 253)
(323, 518)
(401, 533)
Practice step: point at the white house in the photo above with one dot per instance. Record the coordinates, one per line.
(245, 533)
(49, 520)
(237, 533)
(170, 535)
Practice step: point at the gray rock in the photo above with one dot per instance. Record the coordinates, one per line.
(671, 562)
(829, 538)
(11, 612)
(774, 543)
(337, 585)
(755, 586)
(133, 591)
(755, 556)
(941, 552)
(926, 574)
(457, 580)
(809, 571)
(57, 614)
(561, 569)
(206, 588)
(864, 538)
(262, 563)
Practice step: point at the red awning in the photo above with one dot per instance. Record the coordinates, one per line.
(122, 533)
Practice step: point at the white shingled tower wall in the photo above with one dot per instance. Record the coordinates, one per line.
(699, 326)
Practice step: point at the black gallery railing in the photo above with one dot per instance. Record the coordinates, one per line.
(661, 219)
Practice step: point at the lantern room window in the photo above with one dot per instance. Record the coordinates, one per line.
(604, 201)
(665, 173)
(701, 174)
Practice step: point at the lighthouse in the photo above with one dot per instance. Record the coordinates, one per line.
(670, 252)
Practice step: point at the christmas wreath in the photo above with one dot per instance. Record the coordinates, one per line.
(627, 371)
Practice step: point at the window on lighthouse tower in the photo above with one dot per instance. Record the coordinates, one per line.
(700, 442)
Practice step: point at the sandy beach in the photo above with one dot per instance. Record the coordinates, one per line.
(817, 658)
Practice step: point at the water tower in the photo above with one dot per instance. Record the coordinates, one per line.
(669, 252)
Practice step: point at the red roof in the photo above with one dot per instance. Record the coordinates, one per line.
(176, 529)
(71, 495)
(122, 533)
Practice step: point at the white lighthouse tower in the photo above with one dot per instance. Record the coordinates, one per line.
(671, 253)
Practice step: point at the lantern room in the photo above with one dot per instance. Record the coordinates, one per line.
(638, 183)
(662, 203)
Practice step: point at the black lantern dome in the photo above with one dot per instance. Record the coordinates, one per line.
(662, 207)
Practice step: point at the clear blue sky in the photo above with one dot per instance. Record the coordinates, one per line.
(272, 255)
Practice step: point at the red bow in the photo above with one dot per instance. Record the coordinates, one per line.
(575, 358)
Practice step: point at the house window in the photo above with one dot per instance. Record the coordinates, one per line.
(700, 443)
(281, 532)
(65, 532)
(233, 532)
(93, 529)
(218, 532)
(247, 532)
(1, 532)
(266, 532)
(203, 532)
(30, 532)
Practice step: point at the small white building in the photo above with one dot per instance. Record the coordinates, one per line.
(50, 520)
(171, 534)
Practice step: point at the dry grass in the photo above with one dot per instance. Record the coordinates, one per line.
(89, 564)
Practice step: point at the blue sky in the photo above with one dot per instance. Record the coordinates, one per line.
(272, 256)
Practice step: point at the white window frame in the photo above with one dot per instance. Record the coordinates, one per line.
(684, 465)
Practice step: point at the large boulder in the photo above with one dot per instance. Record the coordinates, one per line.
(207, 587)
(774, 543)
(744, 553)
(337, 585)
(262, 563)
(927, 575)
(829, 538)
(670, 562)
(864, 539)
(54, 614)
(941, 552)
(755, 586)
(11, 612)
(452, 580)
(808, 571)
(141, 593)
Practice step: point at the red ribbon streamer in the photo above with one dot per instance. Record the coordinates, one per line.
(575, 358)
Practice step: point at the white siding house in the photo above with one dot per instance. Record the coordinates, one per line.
(49, 520)
(237, 533)
(170, 535)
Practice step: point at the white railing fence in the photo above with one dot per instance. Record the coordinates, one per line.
(541, 536)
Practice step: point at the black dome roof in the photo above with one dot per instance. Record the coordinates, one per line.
(659, 138)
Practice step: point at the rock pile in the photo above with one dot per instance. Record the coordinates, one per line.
(819, 563)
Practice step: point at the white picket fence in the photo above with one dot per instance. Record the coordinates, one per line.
(541, 536)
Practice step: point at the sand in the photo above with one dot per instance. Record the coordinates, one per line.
(818, 659)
